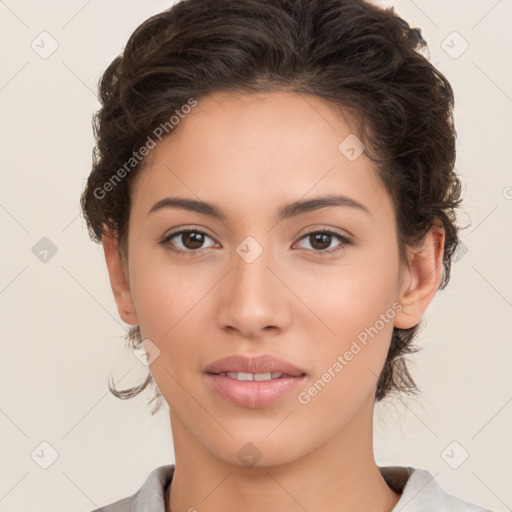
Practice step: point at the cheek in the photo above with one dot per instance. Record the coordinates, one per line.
(357, 306)
(351, 296)
(168, 301)
(172, 305)
(348, 364)
(164, 293)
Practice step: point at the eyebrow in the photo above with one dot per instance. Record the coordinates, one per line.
(285, 212)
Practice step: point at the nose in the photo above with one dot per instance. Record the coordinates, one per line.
(255, 300)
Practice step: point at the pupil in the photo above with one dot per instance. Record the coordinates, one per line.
(318, 237)
(196, 239)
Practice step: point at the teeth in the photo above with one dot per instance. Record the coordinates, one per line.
(251, 376)
(262, 376)
(241, 376)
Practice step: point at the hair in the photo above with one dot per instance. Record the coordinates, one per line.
(362, 59)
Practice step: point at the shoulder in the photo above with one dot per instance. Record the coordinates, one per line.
(419, 489)
(150, 497)
(421, 492)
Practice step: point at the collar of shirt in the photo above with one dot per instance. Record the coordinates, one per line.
(419, 489)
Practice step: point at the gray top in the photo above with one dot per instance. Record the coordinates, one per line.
(420, 493)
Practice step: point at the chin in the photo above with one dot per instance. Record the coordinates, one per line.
(258, 450)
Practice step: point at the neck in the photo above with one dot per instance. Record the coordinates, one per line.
(340, 475)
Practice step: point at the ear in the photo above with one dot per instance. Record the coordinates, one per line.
(118, 280)
(421, 279)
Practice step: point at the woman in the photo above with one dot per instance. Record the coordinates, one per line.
(274, 189)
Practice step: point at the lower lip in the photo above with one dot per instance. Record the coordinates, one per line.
(251, 393)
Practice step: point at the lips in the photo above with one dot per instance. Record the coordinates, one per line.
(253, 382)
(260, 364)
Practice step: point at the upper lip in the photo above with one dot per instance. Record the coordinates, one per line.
(260, 364)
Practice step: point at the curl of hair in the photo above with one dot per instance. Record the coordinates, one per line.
(364, 60)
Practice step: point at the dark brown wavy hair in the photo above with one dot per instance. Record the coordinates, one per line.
(364, 59)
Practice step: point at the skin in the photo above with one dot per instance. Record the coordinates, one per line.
(250, 155)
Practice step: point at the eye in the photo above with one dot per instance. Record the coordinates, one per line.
(188, 240)
(322, 239)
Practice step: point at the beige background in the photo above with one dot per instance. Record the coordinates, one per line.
(60, 330)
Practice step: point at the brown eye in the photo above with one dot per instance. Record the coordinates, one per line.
(187, 240)
(320, 241)
(192, 239)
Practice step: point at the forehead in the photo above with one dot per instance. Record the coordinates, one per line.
(243, 148)
(272, 122)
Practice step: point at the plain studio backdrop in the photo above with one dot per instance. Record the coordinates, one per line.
(66, 442)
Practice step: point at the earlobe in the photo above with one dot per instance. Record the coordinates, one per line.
(118, 279)
(421, 279)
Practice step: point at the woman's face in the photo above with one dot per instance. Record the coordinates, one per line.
(254, 283)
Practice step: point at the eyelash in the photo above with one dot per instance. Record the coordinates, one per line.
(344, 241)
